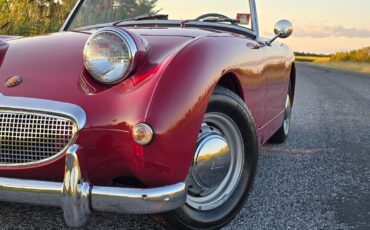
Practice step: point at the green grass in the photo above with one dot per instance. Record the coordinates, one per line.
(360, 55)
(356, 60)
(360, 67)
(312, 59)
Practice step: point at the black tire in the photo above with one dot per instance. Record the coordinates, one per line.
(282, 134)
(228, 103)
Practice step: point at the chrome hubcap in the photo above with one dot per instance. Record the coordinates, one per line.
(212, 161)
(217, 164)
(287, 114)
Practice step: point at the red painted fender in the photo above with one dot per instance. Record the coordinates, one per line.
(181, 98)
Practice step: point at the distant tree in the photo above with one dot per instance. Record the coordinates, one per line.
(98, 11)
(303, 54)
(31, 17)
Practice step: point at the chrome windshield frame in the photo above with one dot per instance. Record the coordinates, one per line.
(253, 8)
(254, 15)
(71, 15)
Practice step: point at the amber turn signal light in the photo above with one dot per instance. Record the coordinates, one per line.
(143, 134)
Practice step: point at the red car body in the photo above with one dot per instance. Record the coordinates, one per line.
(147, 115)
(170, 89)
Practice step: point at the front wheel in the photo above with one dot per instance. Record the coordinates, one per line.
(223, 168)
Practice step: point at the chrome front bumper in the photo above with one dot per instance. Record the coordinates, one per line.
(78, 198)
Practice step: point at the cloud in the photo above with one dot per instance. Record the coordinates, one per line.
(323, 31)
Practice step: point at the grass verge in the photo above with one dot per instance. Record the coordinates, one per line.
(312, 59)
(360, 67)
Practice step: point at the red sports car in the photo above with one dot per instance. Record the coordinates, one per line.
(143, 107)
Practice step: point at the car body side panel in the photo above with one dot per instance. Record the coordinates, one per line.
(279, 60)
(278, 77)
(182, 96)
(170, 90)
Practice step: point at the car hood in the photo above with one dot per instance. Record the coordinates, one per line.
(51, 65)
(8, 38)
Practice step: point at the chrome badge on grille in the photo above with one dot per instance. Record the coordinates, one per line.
(13, 81)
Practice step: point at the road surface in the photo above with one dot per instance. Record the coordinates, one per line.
(319, 179)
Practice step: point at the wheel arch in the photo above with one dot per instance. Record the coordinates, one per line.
(231, 82)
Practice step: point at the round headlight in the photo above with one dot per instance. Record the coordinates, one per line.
(109, 55)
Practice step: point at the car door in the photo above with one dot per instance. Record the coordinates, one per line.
(277, 80)
(254, 80)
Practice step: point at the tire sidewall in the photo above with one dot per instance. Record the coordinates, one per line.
(213, 219)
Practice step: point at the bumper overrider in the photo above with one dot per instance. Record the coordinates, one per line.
(77, 197)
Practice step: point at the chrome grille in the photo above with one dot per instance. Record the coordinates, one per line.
(29, 138)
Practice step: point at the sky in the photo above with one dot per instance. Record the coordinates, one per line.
(320, 26)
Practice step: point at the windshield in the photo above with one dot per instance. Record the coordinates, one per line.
(93, 12)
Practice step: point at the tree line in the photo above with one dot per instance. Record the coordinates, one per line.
(34, 17)
(304, 54)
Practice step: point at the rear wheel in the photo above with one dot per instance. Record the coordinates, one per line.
(282, 134)
(223, 168)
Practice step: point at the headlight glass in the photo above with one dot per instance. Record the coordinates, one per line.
(108, 55)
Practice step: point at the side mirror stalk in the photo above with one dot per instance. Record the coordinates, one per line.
(282, 29)
(269, 43)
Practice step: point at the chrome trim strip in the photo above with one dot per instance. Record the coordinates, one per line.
(138, 201)
(45, 106)
(77, 198)
(255, 25)
(253, 8)
(30, 192)
(67, 22)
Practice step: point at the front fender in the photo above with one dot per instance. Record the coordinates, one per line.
(181, 98)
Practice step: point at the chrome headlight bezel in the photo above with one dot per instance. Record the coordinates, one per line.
(127, 41)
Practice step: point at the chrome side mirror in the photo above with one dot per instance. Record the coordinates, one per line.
(282, 29)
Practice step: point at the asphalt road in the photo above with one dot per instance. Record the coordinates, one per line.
(319, 179)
